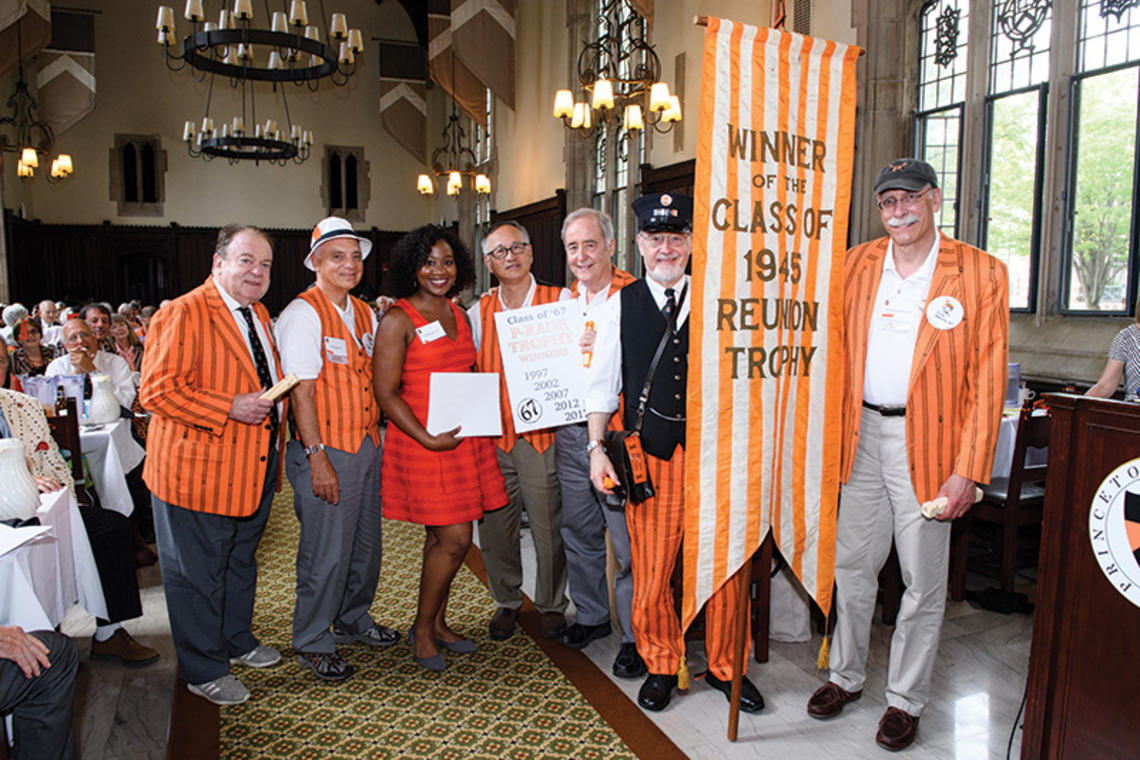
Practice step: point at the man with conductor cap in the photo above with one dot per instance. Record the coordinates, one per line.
(629, 334)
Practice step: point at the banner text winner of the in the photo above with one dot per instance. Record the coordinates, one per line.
(778, 218)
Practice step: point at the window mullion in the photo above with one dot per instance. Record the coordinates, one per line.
(1054, 207)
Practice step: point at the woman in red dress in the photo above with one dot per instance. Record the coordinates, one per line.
(442, 482)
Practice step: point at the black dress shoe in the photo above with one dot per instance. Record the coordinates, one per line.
(628, 663)
(656, 692)
(750, 699)
(577, 636)
(502, 625)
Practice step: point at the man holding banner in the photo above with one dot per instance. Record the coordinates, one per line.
(588, 237)
(633, 327)
(927, 325)
(526, 460)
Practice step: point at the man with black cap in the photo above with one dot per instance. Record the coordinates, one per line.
(628, 335)
(926, 331)
(333, 461)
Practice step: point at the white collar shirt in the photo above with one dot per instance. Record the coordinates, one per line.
(895, 318)
(243, 330)
(475, 313)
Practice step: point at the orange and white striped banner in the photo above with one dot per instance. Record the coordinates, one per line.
(773, 184)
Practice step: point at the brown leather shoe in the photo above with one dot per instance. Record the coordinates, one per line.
(897, 729)
(124, 648)
(502, 624)
(552, 624)
(829, 699)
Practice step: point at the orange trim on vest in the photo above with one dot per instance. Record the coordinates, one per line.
(491, 360)
(347, 411)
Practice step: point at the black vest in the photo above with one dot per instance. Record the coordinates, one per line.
(642, 325)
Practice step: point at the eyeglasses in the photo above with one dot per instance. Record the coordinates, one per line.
(500, 252)
(906, 199)
(657, 239)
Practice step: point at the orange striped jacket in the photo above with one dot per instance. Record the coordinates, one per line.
(195, 362)
(346, 409)
(620, 279)
(957, 376)
(491, 360)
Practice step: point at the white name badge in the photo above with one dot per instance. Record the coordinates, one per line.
(336, 350)
(431, 331)
(367, 341)
(945, 312)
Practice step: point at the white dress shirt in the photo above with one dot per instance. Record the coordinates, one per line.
(603, 378)
(111, 365)
(298, 332)
(243, 330)
(899, 304)
(475, 317)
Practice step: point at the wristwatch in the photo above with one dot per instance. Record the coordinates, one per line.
(591, 446)
(318, 446)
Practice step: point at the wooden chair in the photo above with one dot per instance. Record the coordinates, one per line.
(1014, 502)
(65, 431)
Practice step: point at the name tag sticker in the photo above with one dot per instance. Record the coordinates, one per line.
(430, 332)
(945, 312)
(336, 350)
(367, 341)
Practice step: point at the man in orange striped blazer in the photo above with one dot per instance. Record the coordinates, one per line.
(325, 336)
(629, 333)
(588, 237)
(925, 336)
(212, 455)
(527, 460)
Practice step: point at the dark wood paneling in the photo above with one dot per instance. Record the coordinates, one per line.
(543, 220)
(115, 263)
(1081, 693)
(674, 178)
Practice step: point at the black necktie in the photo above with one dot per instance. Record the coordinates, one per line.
(259, 359)
(670, 304)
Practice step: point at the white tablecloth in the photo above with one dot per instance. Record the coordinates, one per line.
(111, 453)
(41, 579)
(1007, 438)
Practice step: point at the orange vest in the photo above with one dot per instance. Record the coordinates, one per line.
(346, 409)
(491, 360)
(620, 279)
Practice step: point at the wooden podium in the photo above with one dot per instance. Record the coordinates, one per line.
(1084, 664)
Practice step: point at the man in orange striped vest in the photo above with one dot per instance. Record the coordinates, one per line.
(212, 460)
(527, 460)
(925, 336)
(588, 237)
(333, 461)
(631, 329)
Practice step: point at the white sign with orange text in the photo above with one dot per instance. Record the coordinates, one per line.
(542, 364)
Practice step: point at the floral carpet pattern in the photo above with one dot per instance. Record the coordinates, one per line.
(506, 700)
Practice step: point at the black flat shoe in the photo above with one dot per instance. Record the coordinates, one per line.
(628, 663)
(750, 699)
(656, 692)
(577, 636)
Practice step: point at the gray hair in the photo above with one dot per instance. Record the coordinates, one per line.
(601, 217)
(227, 234)
(13, 313)
(504, 223)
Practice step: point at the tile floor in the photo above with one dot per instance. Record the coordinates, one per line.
(979, 679)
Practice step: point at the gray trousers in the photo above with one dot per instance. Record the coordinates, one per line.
(531, 484)
(878, 503)
(41, 707)
(585, 520)
(209, 574)
(338, 556)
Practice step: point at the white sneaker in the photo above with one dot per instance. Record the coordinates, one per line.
(226, 690)
(261, 656)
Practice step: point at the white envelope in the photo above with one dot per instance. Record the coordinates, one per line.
(467, 399)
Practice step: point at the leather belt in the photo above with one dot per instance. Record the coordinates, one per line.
(886, 411)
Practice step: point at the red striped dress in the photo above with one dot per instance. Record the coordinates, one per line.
(437, 487)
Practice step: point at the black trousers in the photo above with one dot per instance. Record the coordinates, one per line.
(41, 707)
(110, 536)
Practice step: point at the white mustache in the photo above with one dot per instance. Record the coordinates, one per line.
(908, 219)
